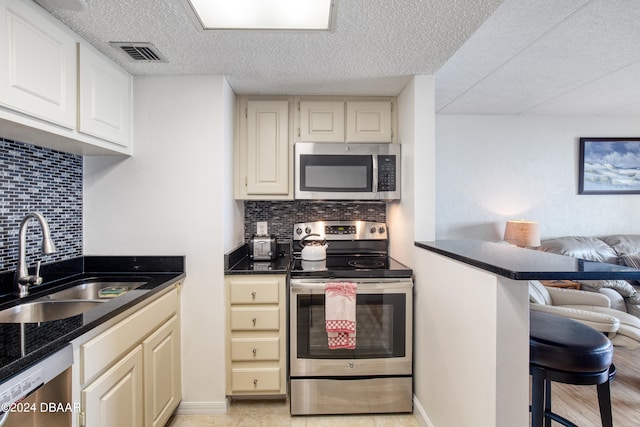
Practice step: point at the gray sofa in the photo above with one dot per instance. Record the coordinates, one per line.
(621, 249)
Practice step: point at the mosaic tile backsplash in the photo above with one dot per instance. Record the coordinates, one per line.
(281, 215)
(46, 181)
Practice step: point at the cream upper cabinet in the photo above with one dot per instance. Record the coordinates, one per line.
(264, 159)
(38, 72)
(105, 98)
(56, 90)
(321, 121)
(369, 121)
(344, 119)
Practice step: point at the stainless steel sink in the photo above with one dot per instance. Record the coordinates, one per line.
(44, 311)
(95, 290)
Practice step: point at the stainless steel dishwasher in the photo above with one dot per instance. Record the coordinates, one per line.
(40, 395)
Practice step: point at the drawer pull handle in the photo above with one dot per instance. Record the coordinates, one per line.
(255, 350)
(255, 382)
(253, 294)
(254, 320)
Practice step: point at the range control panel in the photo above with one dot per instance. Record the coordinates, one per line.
(341, 230)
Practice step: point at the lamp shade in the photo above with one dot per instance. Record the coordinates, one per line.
(522, 233)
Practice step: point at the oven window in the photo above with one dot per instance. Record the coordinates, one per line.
(380, 328)
(351, 173)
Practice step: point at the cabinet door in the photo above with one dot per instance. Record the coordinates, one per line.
(163, 389)
(105, 98)
(321, 121)
(267, 148)
(115, 398)
(38, 72)
(369, 121)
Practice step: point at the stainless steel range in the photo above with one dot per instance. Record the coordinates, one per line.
(376, 375)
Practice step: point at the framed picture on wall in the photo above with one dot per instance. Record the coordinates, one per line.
(609, 166)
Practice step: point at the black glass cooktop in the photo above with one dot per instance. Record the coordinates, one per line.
(351, 266)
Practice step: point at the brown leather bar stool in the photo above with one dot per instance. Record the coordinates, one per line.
(567, 351)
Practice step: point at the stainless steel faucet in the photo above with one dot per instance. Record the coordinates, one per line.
(23, 279)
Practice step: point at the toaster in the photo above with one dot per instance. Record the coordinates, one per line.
(263, 248)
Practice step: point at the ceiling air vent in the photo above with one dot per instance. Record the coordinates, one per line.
(140, 51)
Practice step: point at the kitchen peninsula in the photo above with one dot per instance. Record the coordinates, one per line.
(477, 345)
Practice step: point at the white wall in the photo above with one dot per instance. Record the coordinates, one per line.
(173, 197)
(413, 217)
(494, 168)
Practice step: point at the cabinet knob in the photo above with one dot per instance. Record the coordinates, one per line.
(255, 382)
(255, 350)
(253, 294)
(254, 320)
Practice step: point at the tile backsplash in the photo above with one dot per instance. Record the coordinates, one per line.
(46, 181)
(281, 215)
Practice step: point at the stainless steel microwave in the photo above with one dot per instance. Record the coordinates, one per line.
(326, 171)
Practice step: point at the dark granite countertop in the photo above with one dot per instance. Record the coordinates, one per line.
(526, 264)
(238, 261)
(42, 339)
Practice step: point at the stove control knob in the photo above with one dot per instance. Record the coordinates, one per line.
(307, 230)
(298, 231)
(381, 230)
(372, 230)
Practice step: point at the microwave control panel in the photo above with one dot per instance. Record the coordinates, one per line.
(386, 172)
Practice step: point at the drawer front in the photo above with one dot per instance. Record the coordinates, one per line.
(246, 349)
(258, 380)
(255, 318)
(253, 292)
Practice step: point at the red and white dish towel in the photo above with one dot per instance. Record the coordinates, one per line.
(340, 314)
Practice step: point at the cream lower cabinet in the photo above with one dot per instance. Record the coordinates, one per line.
(162, 373)
(256, 335)
(115, 398)
(130, 373)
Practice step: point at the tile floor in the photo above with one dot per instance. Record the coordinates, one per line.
(275, 413)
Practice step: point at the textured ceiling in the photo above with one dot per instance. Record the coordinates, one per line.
(575, 57)
(526, 57)
(375, 47)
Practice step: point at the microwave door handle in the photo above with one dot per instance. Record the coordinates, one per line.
(375, 172)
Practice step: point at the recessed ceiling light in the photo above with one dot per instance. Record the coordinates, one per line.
(263, 14)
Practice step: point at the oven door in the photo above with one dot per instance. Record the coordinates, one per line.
(384, 319)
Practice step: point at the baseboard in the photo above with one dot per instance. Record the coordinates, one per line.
(420, 414)
(191, 408)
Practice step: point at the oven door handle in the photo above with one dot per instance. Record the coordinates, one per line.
(307, 286)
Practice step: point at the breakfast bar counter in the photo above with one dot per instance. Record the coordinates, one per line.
(525, 264)
(472, 326)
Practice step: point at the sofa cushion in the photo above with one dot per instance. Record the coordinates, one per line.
(623, 244)
(623, 287)
(589, 248)
(633, 261)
